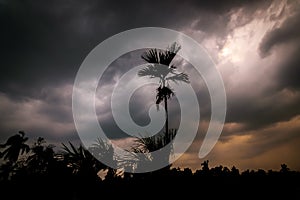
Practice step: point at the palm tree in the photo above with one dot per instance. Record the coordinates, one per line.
(104, 151)
(161, 68)
(84, 161)
(154, 143)
(15, 146)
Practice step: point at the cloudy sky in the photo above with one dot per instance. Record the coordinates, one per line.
(254, 44)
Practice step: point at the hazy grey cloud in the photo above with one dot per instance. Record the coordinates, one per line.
(37, 118)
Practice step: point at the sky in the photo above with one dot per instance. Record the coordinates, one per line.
(254, 45)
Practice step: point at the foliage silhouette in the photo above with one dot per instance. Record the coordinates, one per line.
(103, 150)
(41, 156)
(72, 174)
(81, 161)
(155, 143)
(15, 145)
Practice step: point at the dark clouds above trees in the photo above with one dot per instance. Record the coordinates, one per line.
(43, 44)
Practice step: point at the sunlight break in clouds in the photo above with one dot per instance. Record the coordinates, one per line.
(248, 76)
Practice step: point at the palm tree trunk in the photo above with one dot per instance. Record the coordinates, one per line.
(167, 118)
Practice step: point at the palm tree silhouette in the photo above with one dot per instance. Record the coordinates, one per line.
(160, 67)
(15, 145)
(83, 163)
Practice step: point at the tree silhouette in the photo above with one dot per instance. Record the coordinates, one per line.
(104, 151)
(150, 144)
(83, 164)
(15, 145)
(161, 67)
(42, 173)
(42, 157)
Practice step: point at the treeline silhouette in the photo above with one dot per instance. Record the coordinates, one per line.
(39, 172)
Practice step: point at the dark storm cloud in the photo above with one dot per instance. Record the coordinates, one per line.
(44, 42)
(288, 32)
(264, 110)
(288, 75)
(34, 51)
(214, 17)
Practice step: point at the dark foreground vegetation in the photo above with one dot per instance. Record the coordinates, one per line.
(38, 172)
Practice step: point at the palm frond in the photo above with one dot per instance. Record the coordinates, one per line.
(179, 77)
(163, 92)
(25, 149)
(166, 57)
(175, 47)
(151, 56)
(75, 151)
(102, 150)
(5, 154)
(140, 153)
(153, 143)
(134, 158)
(72, 152)
(151, 71)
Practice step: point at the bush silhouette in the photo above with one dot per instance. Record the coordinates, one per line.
(72, 174)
